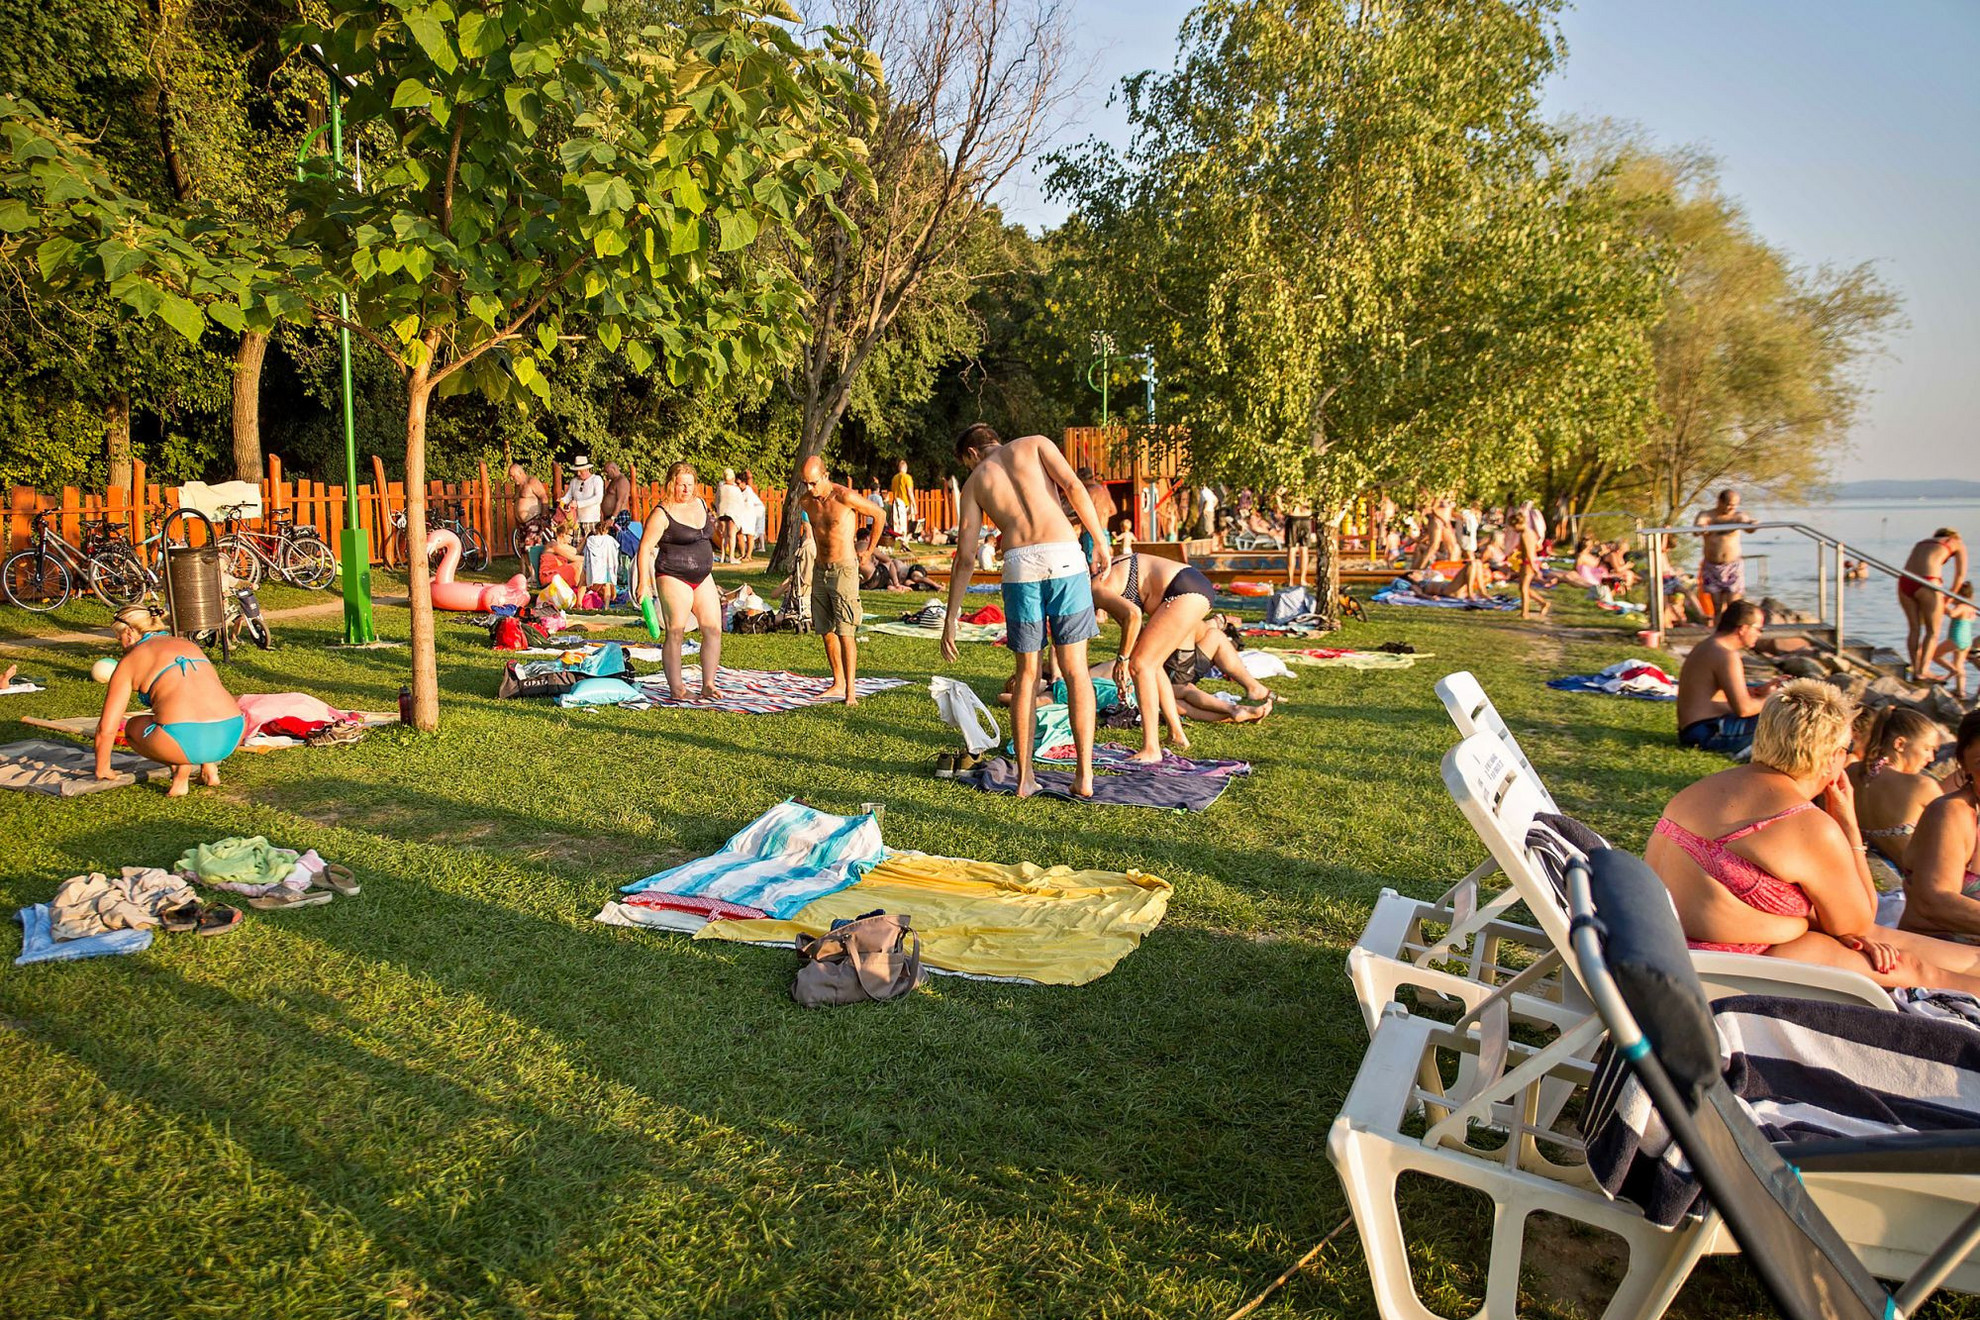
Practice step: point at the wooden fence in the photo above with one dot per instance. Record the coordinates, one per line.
(488, 505)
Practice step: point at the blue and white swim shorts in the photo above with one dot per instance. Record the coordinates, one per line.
(1046, 590)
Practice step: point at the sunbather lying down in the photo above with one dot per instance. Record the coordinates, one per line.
(1767, 858)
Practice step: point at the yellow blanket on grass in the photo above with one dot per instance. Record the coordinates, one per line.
(1052, 925)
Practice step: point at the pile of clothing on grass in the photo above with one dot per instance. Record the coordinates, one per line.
(795, 872)
(95, 915)
(1641, 679)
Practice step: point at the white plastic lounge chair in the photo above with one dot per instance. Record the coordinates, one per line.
(1473, 712)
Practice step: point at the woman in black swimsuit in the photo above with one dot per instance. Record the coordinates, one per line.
(676, 557)
(1160, 605)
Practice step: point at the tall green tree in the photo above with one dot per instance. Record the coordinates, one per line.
(1340, 226)
(538, 182)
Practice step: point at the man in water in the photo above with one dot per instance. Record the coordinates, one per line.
(1721, 571)
(618, 494)
(1047, 589)
(1716, 711)
(1924, 606)
(833, 512)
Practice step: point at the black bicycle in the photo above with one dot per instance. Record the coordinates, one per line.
(50, 570)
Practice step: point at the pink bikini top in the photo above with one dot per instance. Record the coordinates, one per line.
(1747, 881)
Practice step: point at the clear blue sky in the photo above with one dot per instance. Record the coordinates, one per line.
(1850, 131)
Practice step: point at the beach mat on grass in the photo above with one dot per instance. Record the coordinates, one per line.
(1161, 792)
(1327, 656)
(1115, 756)
(85, 726)
(965, 632)
(1595, 684)
(63, 769)
(1043, 925)
(1396, 596)
(756, 691)
(789, 856)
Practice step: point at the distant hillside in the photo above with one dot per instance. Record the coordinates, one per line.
(1906, 490)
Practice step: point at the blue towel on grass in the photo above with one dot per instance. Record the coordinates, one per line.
(37, 945)
(1397, 596)
(779, 862)
(1593, 683)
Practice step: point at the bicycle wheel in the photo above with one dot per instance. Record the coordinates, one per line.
(117, 578)
(308, 563)
(474, 555)
(35, 581)
(239, 560)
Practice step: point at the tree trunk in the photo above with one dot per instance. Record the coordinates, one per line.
(1327, 571)
(419, 576)
(117, 438)
(811, 440)
(247, 405)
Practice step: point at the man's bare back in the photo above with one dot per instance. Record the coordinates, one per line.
(1016, 492)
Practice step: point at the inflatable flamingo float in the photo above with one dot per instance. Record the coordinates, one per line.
(468, 597)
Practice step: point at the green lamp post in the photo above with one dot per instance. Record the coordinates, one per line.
(358, 627)
(1102, 345)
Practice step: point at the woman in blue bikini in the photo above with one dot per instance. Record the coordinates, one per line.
(194, 721)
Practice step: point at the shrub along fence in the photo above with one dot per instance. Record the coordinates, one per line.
(488, 505)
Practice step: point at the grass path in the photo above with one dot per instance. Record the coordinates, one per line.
(456, 1095)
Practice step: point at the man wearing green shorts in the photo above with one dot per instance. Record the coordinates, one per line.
(834, 513)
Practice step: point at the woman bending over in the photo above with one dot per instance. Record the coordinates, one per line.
(194, 720)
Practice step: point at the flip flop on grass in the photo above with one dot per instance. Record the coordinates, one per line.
(334, 876)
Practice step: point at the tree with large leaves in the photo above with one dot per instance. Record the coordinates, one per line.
(1339, 226)
(538, 180)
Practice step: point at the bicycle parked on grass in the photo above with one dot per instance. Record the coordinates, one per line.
(474, 555)
(297, 555)
(43, 576)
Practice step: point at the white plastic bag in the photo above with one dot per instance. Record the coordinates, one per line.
(963, 711)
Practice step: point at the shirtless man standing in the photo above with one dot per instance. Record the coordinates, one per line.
(1923, 606)
(834, 512)
(618, 494)
(1046, 584)
(1722, 570)
(532, 498)
(1716, 711)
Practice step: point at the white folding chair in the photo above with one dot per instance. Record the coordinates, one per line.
(1473, 712)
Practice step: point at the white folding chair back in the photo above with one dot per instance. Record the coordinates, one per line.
(1473, 712)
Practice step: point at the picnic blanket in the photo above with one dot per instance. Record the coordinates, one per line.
(932, 632)
(66, 769)
(752, 691)
(1805, 1070)
(1404, 596)
(1114, 756)
(38, 944)
(789, 856)
(1625, 678)
(1326, 656)
(1164, 792)
(1046, 925)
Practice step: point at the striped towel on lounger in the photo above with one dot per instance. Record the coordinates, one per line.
(1806, 1071)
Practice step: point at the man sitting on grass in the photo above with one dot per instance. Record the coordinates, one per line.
(1716, 711)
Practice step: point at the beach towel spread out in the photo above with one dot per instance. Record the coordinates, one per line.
(1327, 656)
(785, 858)
(39, 945)
(65, 769)
(1114, 756)
(1050, 925)
(1625, 678)
(1163, 792)
(1402, 596)
(752, 691)
(1806, 1071)
(932, 632)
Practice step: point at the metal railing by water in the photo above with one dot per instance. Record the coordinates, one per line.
(1827, 548)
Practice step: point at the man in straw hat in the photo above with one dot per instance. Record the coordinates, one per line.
(584, 494)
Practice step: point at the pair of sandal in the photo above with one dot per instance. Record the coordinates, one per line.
(199, 919)
(323, 886)
(952, 765)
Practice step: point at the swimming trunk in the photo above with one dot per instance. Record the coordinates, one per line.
(1960, 633)
(1721, 733)
(1907, 588)
(835, 597)
(1046, 591)
(206, 742)
(1728, 579)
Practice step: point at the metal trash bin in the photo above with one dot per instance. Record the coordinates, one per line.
(195, 596)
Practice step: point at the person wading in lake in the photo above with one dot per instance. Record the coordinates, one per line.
(1047, 590)
(1924, 606)
(1716, 711)
(834, 512)
(1722, 570)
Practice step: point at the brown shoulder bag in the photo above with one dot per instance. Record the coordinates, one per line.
(872, 959)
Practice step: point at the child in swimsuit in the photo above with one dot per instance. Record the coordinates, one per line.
(1956, 651)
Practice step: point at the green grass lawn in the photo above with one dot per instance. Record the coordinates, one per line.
(456, 1095)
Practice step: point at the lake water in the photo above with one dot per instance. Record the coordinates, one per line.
(1883, 529)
